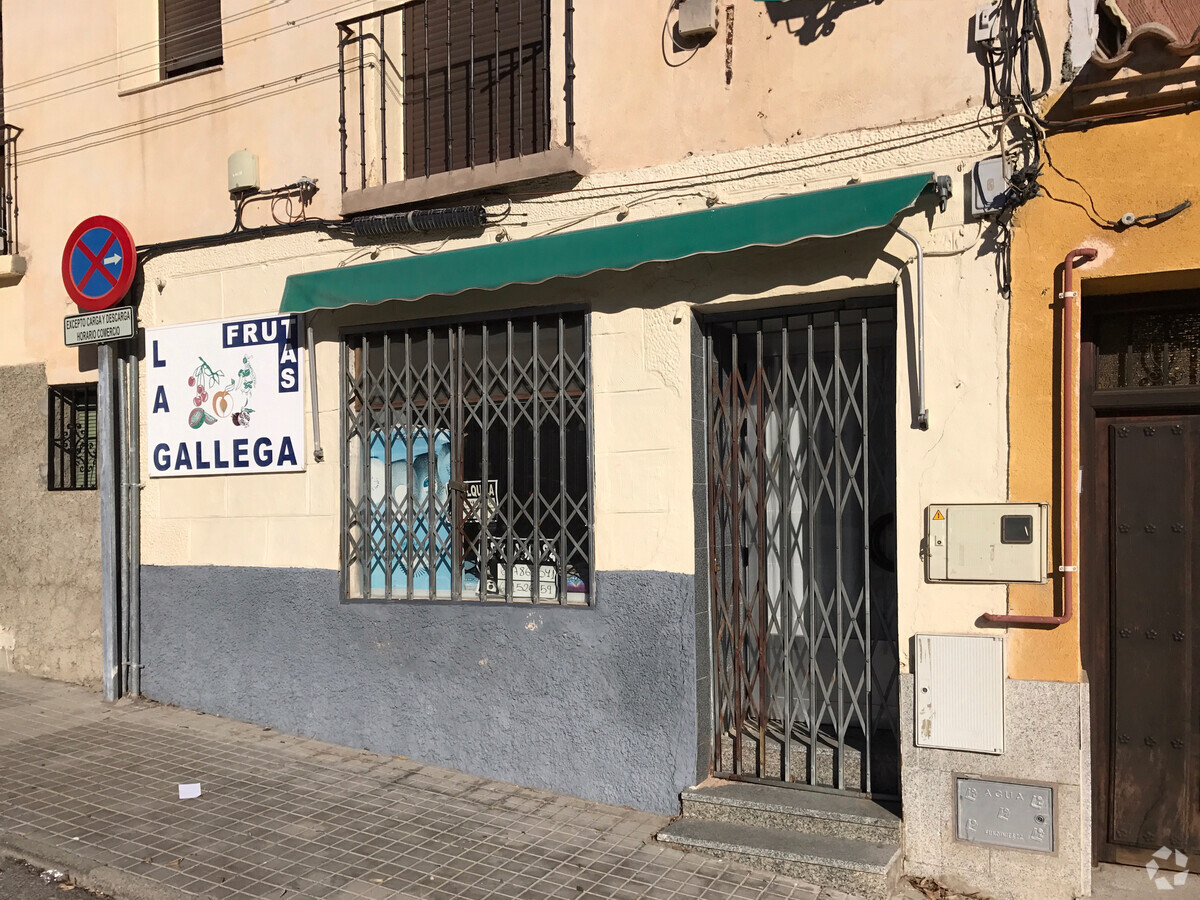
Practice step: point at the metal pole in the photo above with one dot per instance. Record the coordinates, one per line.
(922, 411)
(123, 520)
(318, 452)
(106, 472)
(135, 528)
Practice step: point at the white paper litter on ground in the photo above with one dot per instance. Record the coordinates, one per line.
(189, 791)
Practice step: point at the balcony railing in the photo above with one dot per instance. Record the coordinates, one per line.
(8, 201)
(435, 86)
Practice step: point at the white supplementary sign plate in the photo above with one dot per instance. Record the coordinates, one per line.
(98, 327)
(224, 398)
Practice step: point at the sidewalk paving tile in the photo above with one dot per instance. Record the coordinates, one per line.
(283, 817)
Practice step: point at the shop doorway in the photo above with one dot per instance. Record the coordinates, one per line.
(802, 477)
(1141, 605)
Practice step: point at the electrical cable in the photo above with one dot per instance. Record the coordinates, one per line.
(136, 129)
(236, 42)
(138, 48)
(303, 190)
(1126, 221)
(774, 167)
(671, 7)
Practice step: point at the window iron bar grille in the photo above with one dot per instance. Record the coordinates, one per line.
(10, 213)
(72, 435)
(472, 81)
(466, 472)
(801, 533)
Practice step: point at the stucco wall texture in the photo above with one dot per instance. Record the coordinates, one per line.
(1165, 257)
(50, 589)
(598, 703)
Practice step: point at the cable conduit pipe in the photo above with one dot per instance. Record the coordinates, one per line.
(1069, 474)
(922, 411)
(318, 451)
(420, 220)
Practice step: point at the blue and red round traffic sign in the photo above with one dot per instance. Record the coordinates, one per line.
(99, 263)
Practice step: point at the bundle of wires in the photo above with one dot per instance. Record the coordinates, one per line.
(1010, 89)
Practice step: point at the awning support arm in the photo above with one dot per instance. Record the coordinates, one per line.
(922, 411)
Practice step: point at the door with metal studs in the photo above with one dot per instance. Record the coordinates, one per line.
(1139, 603)
(801, 460)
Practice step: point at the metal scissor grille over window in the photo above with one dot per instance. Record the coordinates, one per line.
(802, 502)
(466, 470)
(72, 438)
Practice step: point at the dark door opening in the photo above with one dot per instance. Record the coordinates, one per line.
(1140, 607)
(802, 487)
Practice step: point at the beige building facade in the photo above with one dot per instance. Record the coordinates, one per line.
(624, 480)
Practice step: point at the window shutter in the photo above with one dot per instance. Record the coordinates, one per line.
(190, 35)
(475, 99)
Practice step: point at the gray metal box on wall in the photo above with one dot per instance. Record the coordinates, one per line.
(960, 692)
(986, 542)
(697, 18)
(1006, 814)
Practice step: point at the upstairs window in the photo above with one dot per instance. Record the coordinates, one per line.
(476, 83)
(190, 36)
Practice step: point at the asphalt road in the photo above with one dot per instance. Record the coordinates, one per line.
(19, 881)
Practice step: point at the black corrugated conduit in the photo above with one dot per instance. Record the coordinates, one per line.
(446, 219)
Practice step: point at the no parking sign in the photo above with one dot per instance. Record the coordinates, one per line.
(99, 262)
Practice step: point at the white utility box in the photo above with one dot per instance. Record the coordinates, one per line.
(243, 172)
(959, 692)
(986, 542)
(988, 185)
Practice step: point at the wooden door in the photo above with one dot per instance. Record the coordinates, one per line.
(1140, 607)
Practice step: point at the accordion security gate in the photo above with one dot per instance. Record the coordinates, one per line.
(801, 443)
(465, 471)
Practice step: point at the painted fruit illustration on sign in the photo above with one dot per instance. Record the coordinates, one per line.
(230, 399)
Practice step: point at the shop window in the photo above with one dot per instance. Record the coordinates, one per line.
(466, 473)
(72, 438)
(190, 36)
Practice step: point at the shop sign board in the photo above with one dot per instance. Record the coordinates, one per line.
(98, 327)
(224, 397)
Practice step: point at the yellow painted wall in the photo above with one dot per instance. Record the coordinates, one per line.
(1138, 167)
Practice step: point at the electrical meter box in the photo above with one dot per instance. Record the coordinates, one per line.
(986, 542)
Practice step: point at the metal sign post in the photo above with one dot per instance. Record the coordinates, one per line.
(98, 266)
(106, 472)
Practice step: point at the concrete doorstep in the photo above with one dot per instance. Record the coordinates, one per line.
(92, 789)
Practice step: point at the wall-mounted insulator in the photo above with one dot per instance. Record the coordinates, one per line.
(420, 220)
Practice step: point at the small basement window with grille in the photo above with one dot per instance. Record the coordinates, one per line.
(189, 36)
(465, 467)
(72, 438)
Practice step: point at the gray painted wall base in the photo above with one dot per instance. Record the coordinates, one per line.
(597, 703)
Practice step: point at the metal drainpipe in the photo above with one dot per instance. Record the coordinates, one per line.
(135, 529)
(318, 452)
(1070, 475)
(922, 411)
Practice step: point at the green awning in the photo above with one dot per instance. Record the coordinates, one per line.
(764, 223)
